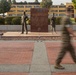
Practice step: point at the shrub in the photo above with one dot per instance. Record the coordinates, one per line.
(2, 21)
(8, 20)
(58, 20)
(48, 21)
(16, 21)
(75, 19)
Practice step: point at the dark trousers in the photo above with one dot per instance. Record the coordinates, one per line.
(24, 27)
(66, 48)
(53, 29)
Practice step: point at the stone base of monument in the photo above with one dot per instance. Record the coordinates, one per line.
(31, 36)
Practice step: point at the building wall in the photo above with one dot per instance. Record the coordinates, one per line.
(17, 9)
(59, 10)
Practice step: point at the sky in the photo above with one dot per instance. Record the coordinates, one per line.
(56, 2)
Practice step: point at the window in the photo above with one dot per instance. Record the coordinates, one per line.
(61, 14)
(62, 10)
(20, 10)
(28, 6)
(10, 14)
(20, 6)
(27, 10)
(12, 10)
(36, 6)
(13, 6)
(19, 14)
(62, 6)
(54, 6)
(54, 10)
(56, 14)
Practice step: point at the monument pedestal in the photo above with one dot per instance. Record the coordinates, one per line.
(39, 20)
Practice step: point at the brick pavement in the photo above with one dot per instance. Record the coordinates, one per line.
(16, 52)
(70, 73)
(33, 58)
(53, 49)
(14, 73)
(15, 57)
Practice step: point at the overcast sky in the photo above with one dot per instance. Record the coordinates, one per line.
(54, 1)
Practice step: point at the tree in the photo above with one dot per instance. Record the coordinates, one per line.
(13, 1)
(46, 3)
(4, 6)
(74, 3)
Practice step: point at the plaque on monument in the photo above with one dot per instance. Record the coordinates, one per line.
(39, 20)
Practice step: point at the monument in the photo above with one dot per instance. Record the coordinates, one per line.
(39, 20)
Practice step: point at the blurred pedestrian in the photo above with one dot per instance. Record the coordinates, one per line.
(66, 40)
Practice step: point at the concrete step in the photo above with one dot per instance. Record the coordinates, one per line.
(30, 38)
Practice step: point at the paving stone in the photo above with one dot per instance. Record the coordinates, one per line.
(11, 73)
(40, 68)
(40, 55)
(14, 52)
(53, 49)
(68, 68)
(41, 73)
(40, 64)
(14, 68)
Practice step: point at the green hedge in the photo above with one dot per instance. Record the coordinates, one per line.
(8, 20)
(58, 20)
(16, 21)
(2, 21)
(48, 21)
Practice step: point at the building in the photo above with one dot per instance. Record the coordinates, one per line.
(17, 9)
(59, 10)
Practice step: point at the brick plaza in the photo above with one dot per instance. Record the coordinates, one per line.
(33, 57)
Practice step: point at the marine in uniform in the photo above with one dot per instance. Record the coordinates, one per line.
(66, 40)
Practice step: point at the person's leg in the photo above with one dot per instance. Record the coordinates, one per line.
(60, 57)
(72, 52)
(54, 29)
(26, 28)
(22, 28)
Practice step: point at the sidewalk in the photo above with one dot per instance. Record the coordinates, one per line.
(33, 58)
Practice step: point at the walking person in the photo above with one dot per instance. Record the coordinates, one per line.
(24, 18)
(53, 20)
(66, 40)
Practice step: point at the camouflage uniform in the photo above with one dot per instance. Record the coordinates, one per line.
(66, 41)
